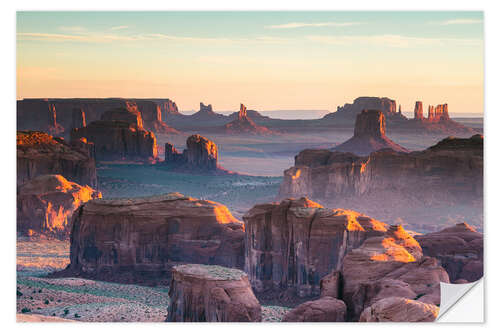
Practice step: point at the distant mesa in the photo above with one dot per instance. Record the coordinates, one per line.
(349, 112)
(369, 135)
(206, 113)
(119, 135)
(244, 125)
(57, 115)
(200, 156)
(45, 205)
(39, 153)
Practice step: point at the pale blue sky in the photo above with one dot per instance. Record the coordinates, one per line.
(268, 60)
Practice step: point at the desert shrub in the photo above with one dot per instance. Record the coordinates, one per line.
(25, 310)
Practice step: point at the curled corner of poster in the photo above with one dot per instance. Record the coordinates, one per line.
(462, 303)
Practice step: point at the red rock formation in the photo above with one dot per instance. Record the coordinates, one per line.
(325, 309)
(245, 125)
(390, 260)
(201, 293)
(78, 118)
(369, 135)
(295, 243)
(138, 240)
(459, 249)
(46, 203)
(41, 154)
(38, 115)
(430, 112)
(119, 136)
(200, 156)
(419, 111)
(350, 111)
(452, 171)
(330, 285)
(399, 309)
(151, 114)
(440, 113)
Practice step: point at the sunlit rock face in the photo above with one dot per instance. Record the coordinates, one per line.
(369, 135)
(452, 171)
(386, 266)
(152, 116)
(138, 240)
(244, 125)
(41, 154)
(211, 293)
(119, 135)
(45, 205)
(418, 112)
(399, 309)
(295, 243)
(459, 249)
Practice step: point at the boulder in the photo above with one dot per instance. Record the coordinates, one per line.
(325, 309)
(386, 266)
(119, 136)
(399, 309)
(458, 248)
(41, 154)
(369, 135)
(210, 293)
(138, 240)
(244, 125)
(295, 243)
(46, 203)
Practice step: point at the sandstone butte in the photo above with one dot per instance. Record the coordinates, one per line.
(349, 111)
(40, 154)
(369, 135)
(244, 125)
(46, 203)
(211, 293)
(451, 170)
(138, 240)
(119, 135)
(459, 249)
(55, 115)
(200, 156)
(295, 243)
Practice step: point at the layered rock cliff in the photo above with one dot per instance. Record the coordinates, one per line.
(38, 115)
(138, 240)
(200, 155)
(45, 205)
(40, 154)
(449, 173)
(369, 135)
(295, 243)
(348, 112)
(119, 136)
(244, 125)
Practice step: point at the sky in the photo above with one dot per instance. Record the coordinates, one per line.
(265, 60)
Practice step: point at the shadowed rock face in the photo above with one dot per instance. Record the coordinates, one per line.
(295, 243)
(78, 119)
(138, 240)
(244, 125)
(386, 266)
(369, 135)
(38, 115)
(46, 203)
(119, 136)
(449, 172)
(200, 293)
(41, 154)
(325, 309)
(200, 156)
(419, 110)
(459, 249)
(399, 309)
